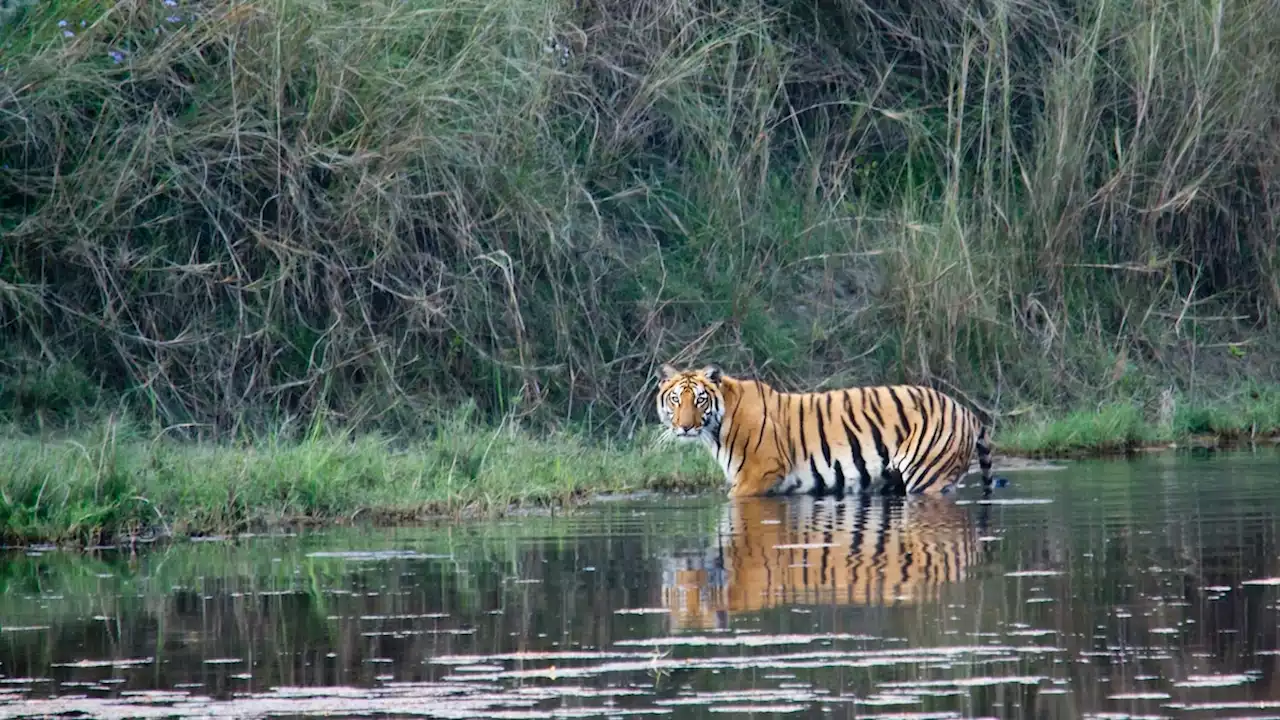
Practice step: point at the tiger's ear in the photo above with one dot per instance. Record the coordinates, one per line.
(712, 373)
(667, 372)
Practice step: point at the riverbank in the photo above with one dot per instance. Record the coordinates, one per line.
(1250, 415)
(118, 483)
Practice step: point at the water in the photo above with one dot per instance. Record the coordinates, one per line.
(1108, 589)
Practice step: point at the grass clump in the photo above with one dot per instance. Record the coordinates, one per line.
(1110, 428)
(116, 482)
(1252, 415)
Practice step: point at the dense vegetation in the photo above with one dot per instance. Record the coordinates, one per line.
(257, 221)
(229, 214)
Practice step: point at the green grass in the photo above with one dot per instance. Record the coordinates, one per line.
(1252, 415)
(115, 482)
(1110, 428)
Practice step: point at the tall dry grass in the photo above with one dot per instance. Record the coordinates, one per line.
(230, 212)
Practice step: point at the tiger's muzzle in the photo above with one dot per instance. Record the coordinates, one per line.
(691, 431)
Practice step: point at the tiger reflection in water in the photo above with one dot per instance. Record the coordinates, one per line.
(855, 550)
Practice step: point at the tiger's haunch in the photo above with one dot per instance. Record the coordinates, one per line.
(897, 439)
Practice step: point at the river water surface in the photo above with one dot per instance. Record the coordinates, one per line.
(1144, 588)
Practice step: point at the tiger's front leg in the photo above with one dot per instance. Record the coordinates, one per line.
(756, 481)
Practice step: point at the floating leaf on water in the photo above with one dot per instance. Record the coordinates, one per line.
(105, 663)
(1201, 681)
(883, 699)
(1006, 501)
(377, 555)
(913, 716)
(407, 616)
(966, 682)
(642, 611)
(478, 667)
(1228, 705)
(747, 640)
(532, 655)
(779, 708)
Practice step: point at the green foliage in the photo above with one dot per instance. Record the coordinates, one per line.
(116, 482)
(34, 392)
(1251, 415)
(234, 215)
(1113, 427)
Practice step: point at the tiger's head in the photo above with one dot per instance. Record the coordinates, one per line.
(691, 402)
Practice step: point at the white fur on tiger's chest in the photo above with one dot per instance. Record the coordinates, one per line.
(856, 469)
(856, 474)
(842, 470)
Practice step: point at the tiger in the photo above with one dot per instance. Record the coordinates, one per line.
(853, 551)
(911, 439)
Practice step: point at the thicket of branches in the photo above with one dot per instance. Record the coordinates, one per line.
(229, 212)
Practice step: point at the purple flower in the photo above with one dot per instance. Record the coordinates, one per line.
(116, 56)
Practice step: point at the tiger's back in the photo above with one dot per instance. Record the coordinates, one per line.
(900, 438)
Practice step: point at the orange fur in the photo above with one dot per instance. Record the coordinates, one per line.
(810, 551)
(911, 439)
